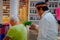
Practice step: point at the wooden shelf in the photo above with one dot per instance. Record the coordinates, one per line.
(52, 7)
(33, 7)
(7, 9)
(5, 13)
(33, 13)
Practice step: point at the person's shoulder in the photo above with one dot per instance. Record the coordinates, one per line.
(49, 18)
(21, 25)
(48, 15)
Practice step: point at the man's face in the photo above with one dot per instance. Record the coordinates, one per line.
(12, 22)
(39, 9)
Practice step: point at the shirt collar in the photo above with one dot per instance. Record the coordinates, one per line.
(45, 13)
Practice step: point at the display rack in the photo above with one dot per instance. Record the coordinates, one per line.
(6, 7)
(32, 13)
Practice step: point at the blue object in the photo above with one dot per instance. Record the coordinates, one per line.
(2, 36)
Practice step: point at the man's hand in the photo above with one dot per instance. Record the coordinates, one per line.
(33, 27)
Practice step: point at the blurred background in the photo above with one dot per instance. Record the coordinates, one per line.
(27, 10)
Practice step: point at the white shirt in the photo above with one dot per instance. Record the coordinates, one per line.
(48, 28)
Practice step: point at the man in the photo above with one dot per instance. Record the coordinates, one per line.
(16, 32)
(48, 28)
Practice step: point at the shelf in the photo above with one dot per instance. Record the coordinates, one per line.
(6, 4)
(33, 7)
(52, 7)
(33, 14)
(53, 1)
(6, 9)
(33, 20)
(5, 13)
(7, 1)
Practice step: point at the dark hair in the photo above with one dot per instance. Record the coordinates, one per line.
(40, 3)
(45, 8)
(46, 1)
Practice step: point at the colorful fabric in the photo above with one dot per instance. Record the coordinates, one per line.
(58, 13)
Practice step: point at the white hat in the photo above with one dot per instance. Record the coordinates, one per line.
(15, 18)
